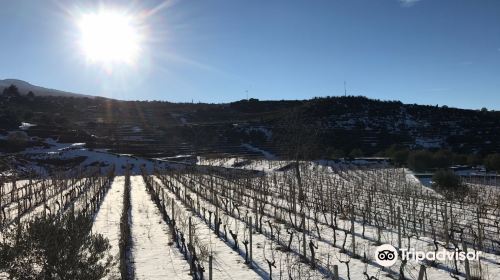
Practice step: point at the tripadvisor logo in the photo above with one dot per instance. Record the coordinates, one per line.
(387, 255)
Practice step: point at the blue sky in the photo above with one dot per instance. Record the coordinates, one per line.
(426, 52)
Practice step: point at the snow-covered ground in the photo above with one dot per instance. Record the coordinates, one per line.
(153, 253)
(107, 222)
(361, 188)
(272, 164)
(394, 185)
(227, 264)
(26, 125)
(61, 151)
(266, 154)
(287, 263)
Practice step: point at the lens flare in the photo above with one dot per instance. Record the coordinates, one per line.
(110, 37)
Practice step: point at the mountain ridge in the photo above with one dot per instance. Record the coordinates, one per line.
(24, 87)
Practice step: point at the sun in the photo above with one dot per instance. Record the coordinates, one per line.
(109, 37)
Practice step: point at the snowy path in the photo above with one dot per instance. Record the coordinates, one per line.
(107, 222)
(153, 253)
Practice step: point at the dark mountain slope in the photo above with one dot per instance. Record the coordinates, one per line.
(318, 127)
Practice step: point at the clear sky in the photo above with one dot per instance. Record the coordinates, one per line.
(426, 52)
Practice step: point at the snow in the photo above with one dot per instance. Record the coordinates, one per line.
(269, 165)
(136, 129)
(243, 163)
(55, 198)
(353, 177)
(155, 256)
(424, 183)
(153, 253)
(107, 222)
(267, 133)
(266, 154)
(429, 142)
(180, 117)
(26, 125)
(92, 157)
(264, 247)
(227, 264)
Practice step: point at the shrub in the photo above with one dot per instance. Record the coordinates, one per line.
(55, 248)
(398, 154)
(449, 184)
(424, 160)
(355, 153)
(474, 160)
(442, 159)
(492, 162)
(420, 160)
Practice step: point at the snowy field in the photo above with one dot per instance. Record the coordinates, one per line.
(192, 222)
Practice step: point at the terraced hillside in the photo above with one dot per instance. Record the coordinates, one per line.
(326, 127)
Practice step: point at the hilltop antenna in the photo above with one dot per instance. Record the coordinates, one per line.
(345, 89)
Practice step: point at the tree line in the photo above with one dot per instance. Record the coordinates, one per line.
(427, 160)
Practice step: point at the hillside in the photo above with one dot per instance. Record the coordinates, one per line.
(25, 87)
(317, 128)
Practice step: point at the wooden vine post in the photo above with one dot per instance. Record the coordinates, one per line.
(467, 266)
(210, 258)
(353, 234)
(479, 233)
(336, 272)
(251, 242)
(422, 273)
(304, 235)
(190, 231)
(445, 220)
(399, 227)
(173, 211)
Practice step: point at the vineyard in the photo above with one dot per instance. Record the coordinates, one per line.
(257, 219)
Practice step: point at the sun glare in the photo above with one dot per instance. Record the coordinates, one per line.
(109, 37)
